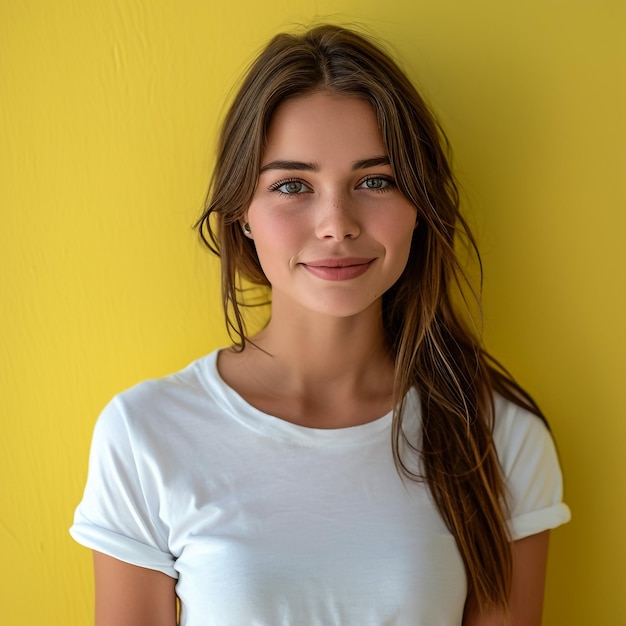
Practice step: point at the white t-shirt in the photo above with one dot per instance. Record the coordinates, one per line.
(267, 523)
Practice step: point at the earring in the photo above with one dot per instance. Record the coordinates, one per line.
(247, 229)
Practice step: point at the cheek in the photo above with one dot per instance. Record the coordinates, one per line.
(271, 223)
(398, 233)
(399, 239)
(275, 246)
(274, 238)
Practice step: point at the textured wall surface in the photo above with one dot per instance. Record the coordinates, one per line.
(108, 111)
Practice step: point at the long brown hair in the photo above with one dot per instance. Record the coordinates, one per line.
(435, 349)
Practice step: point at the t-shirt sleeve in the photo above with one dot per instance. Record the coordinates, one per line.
(119, 512)
(533, 478)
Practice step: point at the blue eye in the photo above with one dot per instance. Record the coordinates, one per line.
(290, 187)
(377, 183)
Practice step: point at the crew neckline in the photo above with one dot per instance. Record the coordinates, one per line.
(277, 428)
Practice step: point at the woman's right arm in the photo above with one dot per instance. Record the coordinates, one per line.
(128, 595)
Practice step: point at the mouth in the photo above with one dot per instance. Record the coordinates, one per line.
(338, 268)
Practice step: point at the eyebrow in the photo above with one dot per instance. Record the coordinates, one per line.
(376, 161)
(299, 166)
(302, 166)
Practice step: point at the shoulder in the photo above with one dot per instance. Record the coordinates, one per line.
(523, 441)
(531, 469)
(197, 378)
(515, 429)
(152, 407)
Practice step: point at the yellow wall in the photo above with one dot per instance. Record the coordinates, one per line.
(107, 118)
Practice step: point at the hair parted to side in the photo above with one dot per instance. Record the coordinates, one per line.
(433, 347)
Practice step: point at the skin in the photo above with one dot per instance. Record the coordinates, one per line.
(325, 192)
(127, 595)
(530, 556)
(328, 367)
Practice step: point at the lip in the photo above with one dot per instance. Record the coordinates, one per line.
(338, 268)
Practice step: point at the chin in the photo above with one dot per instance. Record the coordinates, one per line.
(344, 309)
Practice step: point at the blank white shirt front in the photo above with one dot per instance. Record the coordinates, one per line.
(268, 523)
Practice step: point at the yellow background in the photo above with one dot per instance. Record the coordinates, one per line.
(108, 112)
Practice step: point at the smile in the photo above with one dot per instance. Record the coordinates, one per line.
(338, 268)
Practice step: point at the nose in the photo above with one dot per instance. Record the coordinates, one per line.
(338, 219)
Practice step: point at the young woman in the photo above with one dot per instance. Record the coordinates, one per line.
(362, 460)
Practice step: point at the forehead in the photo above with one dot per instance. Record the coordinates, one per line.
(324, 123)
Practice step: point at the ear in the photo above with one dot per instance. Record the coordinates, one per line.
(245, 226)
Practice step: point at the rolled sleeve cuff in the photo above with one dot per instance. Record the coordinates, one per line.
(122, 548)
(538, 521)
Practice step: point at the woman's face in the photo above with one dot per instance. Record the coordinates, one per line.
(331, 229)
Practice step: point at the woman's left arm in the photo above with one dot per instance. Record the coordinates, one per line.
(530, 556)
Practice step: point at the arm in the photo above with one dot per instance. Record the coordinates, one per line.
(530, 556)
(127, 595)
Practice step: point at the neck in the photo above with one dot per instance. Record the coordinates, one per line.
(326, 352)
(315, 370)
